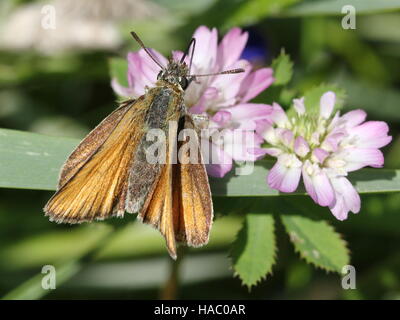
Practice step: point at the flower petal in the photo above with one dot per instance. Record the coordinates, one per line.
(252, 111)
(339, 209)
(205, 60)
(331, 142)
(317, 184)
(121, 90)
(327, 104)
(271, 135)
(278, 115)
(358, 158)
(222, 117)
(255, 82)
(229, 84)
(237, 143)
(231, 47)
(301, 146)
(299, 106)
(218, 163)
(354, 117)
(287, 137)
(142, 70)
(285, 174)
(319, 155)
(347, 198)
(208, 95)
(323, 188)
(246, 115)
(307, 172)
(371, 134)
(274, 152)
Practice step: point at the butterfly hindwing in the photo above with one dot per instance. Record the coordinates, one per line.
(192, 200)
(157, 209)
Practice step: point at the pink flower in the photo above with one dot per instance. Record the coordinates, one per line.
(224, 98)
(322, 148)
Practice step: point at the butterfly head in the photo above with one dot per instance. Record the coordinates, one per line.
(177, 73)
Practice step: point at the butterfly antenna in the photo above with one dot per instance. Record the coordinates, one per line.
(192, 44)
(232, 71)
(138, 40)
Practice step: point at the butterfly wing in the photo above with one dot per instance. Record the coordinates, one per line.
(91, 143)
(157, 209)
(180, 204)
(93, 182)
(193, 208)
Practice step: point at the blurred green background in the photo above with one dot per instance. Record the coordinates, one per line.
(57, 82)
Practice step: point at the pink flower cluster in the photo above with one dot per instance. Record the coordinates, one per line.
(323, 148)
(224, 98)
(320, 147)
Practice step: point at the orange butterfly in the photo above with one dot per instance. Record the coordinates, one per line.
(109, 172)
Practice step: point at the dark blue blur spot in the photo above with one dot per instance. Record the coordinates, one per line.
(256, 49)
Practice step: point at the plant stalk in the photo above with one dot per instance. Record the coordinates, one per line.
(171, 286)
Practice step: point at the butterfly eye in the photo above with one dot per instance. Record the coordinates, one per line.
(183, 83)
(159, 75)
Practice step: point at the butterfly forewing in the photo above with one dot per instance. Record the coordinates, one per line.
(94, 187)
(93, 141)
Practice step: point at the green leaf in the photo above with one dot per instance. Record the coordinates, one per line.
(118, 69)
(251, 11)
(53, 247)
(375, 100)
(253, 252)
(283, 69)
(358, 55)
(334, 7)
(32, 289)
(365, 180)
(227, 14)
(313, 96)
(30, 160)
(33, 161)
(316, 242)
(133, 241)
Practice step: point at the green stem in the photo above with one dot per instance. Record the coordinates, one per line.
(170, 288)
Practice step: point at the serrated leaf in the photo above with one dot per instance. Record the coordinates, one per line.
(253, 252)
(313, 96)
(283, 69)
(316, 242)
